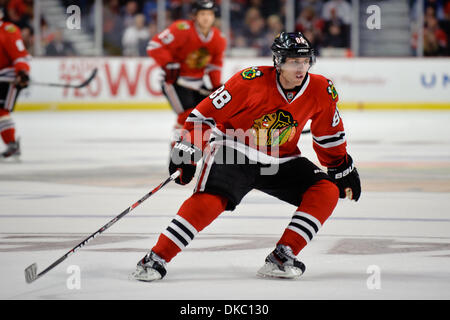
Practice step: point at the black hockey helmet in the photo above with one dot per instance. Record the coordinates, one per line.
(203, 5)
(291, 45)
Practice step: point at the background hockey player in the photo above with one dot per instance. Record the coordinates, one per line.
(186, 51)
(14, 65)
(270, 105)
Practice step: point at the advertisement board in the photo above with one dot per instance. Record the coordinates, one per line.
(134, 83)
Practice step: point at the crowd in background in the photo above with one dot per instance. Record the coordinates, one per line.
(436, 27)
(129, 24)
(254, 23)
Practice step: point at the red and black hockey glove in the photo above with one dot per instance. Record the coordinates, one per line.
(347, 179)
(184, 157)
(172, 72)
(22, 80)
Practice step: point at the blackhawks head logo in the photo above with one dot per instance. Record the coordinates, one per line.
(251, 73)
(332, 90)
(274, 129)
(198, 59)
(182, 25)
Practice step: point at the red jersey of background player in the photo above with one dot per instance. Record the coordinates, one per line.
(197, 54)
(12, 49)
(271, 119)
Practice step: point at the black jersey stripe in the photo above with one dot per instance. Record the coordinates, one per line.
(329, 140)
(200, 119)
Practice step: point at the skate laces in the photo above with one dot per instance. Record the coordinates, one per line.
(154, 262)
(282, 256)
(153, 258)
(286, 251)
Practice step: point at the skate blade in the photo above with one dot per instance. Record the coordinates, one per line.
(11, 159)
(144, 276)
(270, 270)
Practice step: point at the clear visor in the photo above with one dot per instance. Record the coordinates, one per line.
(296, 64)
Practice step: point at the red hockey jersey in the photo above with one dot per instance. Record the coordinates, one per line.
(197, 54)
(252, 114)
(13, 53)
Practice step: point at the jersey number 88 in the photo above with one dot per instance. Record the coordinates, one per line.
(220, 97)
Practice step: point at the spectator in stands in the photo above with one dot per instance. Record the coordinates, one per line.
(152, 30)
(266, 8)
(129, 11)
(136, 37)
(150, 9)
(239, 42)
(58, 46)
(274, 26)
(27, 37)
(445, 25)
(342, 8)
(309, 20)
(336, 32)
(438, 6)
(315, 43)
(316, 5)
(112, 27)
(254, 29)
(46, 34)
(237, 15)
(334, 35)
(20, 12)
(435, 42)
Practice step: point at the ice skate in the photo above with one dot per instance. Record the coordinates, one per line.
(12, 150)
(150, 268)
(282, 263)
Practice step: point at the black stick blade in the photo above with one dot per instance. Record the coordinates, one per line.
(31, 273)
(88, 80)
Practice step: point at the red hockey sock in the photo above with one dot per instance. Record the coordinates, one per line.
(194, 215)
(8, 135)
(318, 203)
(7, 130)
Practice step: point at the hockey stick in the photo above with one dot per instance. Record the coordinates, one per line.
(60, 85)
(31, 271)
(185, 84)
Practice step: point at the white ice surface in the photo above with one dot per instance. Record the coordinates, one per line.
(80, 169)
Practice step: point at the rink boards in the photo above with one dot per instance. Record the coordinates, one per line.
(134, 83)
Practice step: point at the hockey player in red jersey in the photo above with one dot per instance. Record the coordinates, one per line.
(14, 71)
(186, 51)
(254, 122)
